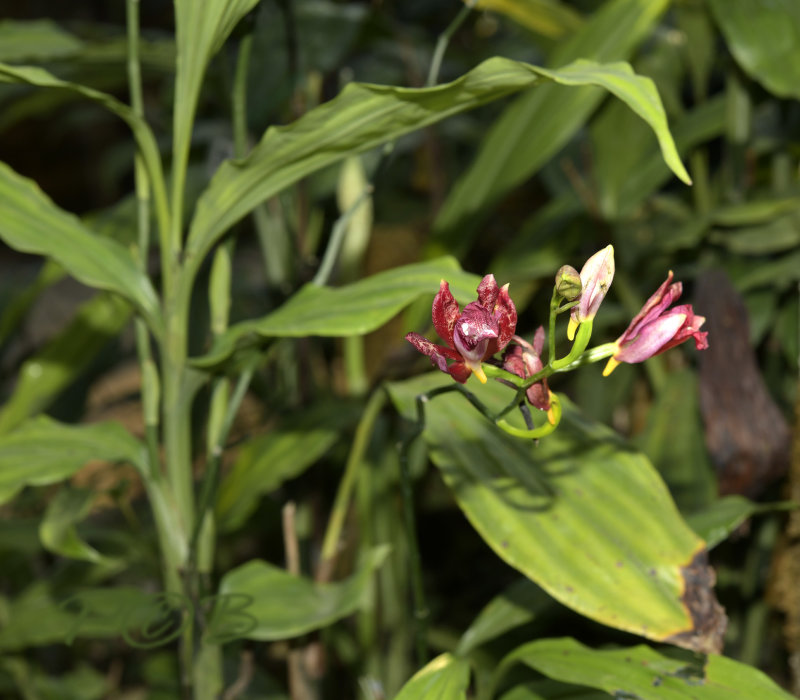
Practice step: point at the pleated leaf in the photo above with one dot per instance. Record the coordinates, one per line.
(352, 309)
(444, 678)
(43, 451)
(270, 603)
(641, 672)
(582, 514)
(364, 116)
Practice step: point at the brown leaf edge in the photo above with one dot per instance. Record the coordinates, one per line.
(708, 616)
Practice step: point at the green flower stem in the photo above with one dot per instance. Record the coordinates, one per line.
(337, 238)
(535, 433)
(444, 40)
(551, 334)
(582, 339)
(341, 504)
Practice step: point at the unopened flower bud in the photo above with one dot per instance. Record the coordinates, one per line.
(568, 283)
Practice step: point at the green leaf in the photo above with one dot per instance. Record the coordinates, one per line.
(41, 40)
(549, 18)
(32, 223)
(16, 309)
(43, 451)
(640, 672)
(364, 116)
(45, 375)
(776, 236)
(548, 689)
(582, 514)
(84, 683)
(145, 141)
(353, 309)
(57, 530)
(518, 605)
(261, 601)
(538, 124)
(265, 462)
(719, 519)
(444, 678)
(765, 40)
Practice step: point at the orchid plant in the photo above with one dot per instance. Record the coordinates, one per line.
(487, 326)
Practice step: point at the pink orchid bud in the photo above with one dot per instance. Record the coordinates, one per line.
(524, 359)
(596, 276)
(657, 328)
(483, 329)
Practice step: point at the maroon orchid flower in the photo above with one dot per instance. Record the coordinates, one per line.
(481, 330)
(657, 328)
(525, 359)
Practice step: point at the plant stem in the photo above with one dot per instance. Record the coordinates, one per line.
(341, 504)
(444, 40)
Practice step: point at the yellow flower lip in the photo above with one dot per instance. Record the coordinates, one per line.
(477, 370)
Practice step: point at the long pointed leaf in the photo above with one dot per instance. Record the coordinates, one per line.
(364, 116)
(444, 678)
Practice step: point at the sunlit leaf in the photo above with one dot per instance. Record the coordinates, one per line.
(444, 678)
(364, 116)
(582, 514)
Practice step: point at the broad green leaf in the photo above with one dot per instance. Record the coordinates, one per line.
(518, 605)
(39, 617)
(549, 18)
(364, 116)
(538, 124)
(45, 375)
(778, 273)
(353, 309)
(760, 211)
(41, 40)
(57, 530)
(43, 451)
(582, 514)
(260, 601)
(444, 678)
(548, 689)
(764, 38)
(32, 223)
(265, 462)
(719, 519)
(145, 141)
(640, 672)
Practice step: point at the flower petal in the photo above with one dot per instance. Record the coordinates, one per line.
(651, 339)
(445, 313)
(438, 354)
(596, 277)
(488, 292)
(505, 313)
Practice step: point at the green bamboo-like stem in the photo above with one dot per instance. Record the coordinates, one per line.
(341, 504)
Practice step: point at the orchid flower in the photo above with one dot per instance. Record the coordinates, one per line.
(596, 276)
(657, 328)
(481, 330)
(524, 359)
